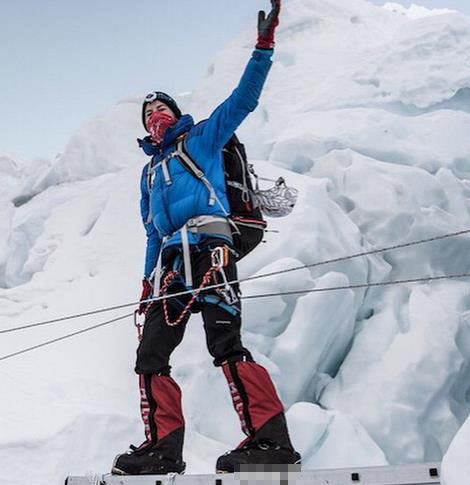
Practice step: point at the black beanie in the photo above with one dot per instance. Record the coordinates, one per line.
(164, 98)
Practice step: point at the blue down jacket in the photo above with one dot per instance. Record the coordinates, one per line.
(168, 207)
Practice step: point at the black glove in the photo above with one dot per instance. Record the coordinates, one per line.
(267, 25)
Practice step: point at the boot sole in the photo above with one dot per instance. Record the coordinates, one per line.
(117, 471)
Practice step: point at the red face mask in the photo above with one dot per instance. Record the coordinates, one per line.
(157, 123)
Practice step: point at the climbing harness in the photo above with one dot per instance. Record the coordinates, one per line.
(205, 224)
(219, 259)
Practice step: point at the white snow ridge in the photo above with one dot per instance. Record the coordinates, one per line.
(367, 112)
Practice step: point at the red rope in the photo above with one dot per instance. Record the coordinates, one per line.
(166, 283)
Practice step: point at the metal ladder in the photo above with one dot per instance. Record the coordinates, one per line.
(415, 474)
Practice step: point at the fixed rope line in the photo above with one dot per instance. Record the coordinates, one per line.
(251, 278)
(64, 337)
(358, 255)
(358, 286)
(249, 297)
(69, 317)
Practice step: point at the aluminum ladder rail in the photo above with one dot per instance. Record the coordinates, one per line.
(415, 474)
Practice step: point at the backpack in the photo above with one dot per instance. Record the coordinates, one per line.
(247, 222)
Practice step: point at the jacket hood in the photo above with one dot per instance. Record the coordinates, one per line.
(184, 124)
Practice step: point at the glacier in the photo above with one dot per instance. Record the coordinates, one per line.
(367, 113)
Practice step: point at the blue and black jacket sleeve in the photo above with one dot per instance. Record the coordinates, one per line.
(154, 241)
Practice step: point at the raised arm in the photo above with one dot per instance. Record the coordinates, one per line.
(226, 118)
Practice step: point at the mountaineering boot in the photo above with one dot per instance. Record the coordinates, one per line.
(261, 450)
(162, 452)
(153, 458)
(262, 419)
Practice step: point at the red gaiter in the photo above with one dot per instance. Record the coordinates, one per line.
(157, 123)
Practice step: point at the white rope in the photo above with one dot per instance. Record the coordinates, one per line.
(251, 278)
(266, 295)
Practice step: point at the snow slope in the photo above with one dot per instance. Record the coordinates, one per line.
(366, 112)
(416, 11)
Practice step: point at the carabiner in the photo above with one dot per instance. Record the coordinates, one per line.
(139, 326)
(219, 257)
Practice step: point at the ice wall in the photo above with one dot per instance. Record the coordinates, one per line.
(366, 112)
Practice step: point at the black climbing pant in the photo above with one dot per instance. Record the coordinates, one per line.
(222, 321)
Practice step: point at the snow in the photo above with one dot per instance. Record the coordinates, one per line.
(455, 466)
(416, 11)
(318, 432)
(367, 113)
